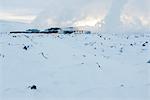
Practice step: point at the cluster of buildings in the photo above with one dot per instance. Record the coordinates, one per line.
(68, 30)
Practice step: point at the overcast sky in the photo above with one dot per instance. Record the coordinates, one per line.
(68, 11)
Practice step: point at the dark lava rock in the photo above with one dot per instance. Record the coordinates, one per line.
(33, 87)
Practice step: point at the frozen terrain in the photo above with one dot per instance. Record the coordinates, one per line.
(75, 67)
(12, 26)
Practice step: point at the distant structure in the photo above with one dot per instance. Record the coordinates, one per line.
(33, 31)
(75, 30)
(52, 30)
(67, 30)
(27, 31)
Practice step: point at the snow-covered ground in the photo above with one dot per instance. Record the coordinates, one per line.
(75, 67)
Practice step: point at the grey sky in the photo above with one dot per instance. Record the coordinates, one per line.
(66, 10)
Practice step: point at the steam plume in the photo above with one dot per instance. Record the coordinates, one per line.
(112, 20)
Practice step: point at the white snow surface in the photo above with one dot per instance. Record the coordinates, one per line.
(75, 67)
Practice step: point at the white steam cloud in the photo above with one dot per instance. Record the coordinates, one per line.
(110, 15)
(112, 21)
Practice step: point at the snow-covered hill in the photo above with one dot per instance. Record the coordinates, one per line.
(75, 67)
(7, 26)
